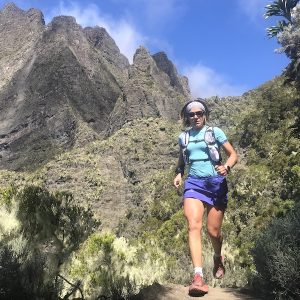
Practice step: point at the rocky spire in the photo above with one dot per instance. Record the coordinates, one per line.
(12, 13)
(20, 31)
(147, 93)
(101, 40)
(165, 65)
(65, 22)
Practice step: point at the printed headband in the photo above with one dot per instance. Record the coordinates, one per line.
(195, 104)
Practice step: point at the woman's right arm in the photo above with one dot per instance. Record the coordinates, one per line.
(179, 171)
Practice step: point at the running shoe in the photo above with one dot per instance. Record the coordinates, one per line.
(219, 269)
(198, 287)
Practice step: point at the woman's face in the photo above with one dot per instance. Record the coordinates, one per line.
(196, 118)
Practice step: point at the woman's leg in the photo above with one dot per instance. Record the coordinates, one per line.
(215, 217)
(193, 211)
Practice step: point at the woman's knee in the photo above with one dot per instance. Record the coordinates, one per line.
(193, 211)
(194, 225)
(214, 232)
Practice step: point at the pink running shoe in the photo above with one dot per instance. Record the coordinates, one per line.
(219, 269)
(198, 287)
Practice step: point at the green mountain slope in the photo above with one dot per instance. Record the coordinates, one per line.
(126, 179)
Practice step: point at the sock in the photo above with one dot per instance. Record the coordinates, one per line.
(199, 271)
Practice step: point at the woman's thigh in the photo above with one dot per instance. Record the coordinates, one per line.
(215, 217)
(193, 210)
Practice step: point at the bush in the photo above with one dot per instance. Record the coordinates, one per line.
(39, 230)
(276, 256)
(10, 276)
(110, 267)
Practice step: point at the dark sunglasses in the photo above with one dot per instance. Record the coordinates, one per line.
(196, 113)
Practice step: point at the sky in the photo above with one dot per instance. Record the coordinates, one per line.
(221, 46)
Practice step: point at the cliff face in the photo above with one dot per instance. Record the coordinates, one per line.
(149, 91)
(19, 34)
(176, 81)
(62, 86)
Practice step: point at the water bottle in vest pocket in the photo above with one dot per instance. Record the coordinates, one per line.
(213, 153)
(212, 146)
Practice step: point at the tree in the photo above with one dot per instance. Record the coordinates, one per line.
(280, 8)
(46, 228)
(288, 35)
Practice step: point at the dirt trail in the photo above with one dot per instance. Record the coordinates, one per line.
(179, 292)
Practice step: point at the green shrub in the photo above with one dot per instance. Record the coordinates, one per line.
(38, 231)
(165, 199)
(10, 276)
(276, 257)
(110, 267)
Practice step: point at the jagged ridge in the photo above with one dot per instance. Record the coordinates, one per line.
(61, 78)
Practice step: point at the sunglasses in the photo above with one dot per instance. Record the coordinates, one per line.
(196, 113)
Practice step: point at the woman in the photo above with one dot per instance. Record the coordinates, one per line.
(205, 187)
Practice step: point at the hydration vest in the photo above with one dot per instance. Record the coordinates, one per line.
(210, 141)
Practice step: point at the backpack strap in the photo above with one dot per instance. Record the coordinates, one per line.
(209, 136)
(212, 145)
(184, 138)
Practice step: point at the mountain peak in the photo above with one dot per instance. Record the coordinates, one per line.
(140, 53)
(65, 22)
(164, 64)
(12, 13)
(11, 8)
(100, 39)
(143, 60)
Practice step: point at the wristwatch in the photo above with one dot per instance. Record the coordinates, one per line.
(228, 168)
(179, 170)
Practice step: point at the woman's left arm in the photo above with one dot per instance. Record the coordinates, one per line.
(231, 159)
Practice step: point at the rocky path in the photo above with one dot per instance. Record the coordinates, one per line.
(179, 292)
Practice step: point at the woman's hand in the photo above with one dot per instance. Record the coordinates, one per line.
(231, 160)
(177, 180)
(222, 170)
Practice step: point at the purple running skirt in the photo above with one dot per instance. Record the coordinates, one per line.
(212, 190)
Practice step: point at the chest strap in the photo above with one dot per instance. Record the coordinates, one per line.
(201, 159)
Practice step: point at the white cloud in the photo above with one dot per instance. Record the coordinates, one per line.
(205, 82)
(253, 9)
(159, 12)
(154, 12)
(122, 31)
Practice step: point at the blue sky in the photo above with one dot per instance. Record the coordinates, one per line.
(221, 46)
